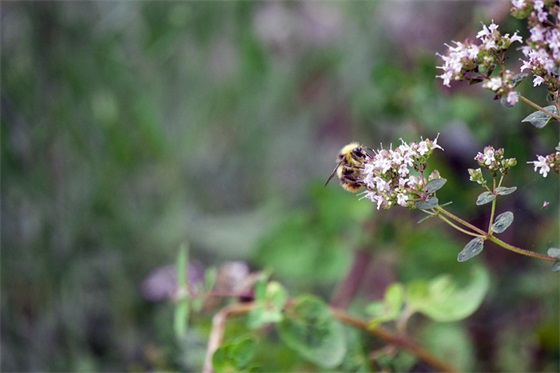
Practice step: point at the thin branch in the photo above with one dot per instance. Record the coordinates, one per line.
(218, 327)
(457, 227)
(397, 340)
(219, 322)
(539, 108)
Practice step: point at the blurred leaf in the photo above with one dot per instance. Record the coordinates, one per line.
(429, 203)
(355, 359)
(181, 318)
(473, 248)
(234, 356)
(310, 330)
(484, 198)
(435, 184)
(441, 299)
(556, 266)
(451, 343)
(181, 315)
(269, 306)
(390, 308)
(540, 119)
(502, 222)
(210, 278)
(553, 252)
(181, 265)
(504, 191)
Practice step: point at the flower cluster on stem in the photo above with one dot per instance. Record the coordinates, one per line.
(476, 61)
(544, 164)
(388, 178)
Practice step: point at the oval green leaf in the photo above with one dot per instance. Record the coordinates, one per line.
(435, 184)
(484, 198)
(443, 301)
(473, 248)
(504, 191)
(502, 222)
(428, 204)
(553, 252)
(540, 119)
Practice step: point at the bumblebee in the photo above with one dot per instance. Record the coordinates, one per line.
(350, 165)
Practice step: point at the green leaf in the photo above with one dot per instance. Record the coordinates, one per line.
(443, 301)
(553, 252)
(234, 356)
(435, 184)
(391, 307)
(502, 222)
(268, 309)
(277, 294)
(429, 203)
(181, 318)
(504, 191)
(311, 330)
(473, 248)
(484, 198)
(181, 265)
(517, 78)
(210, 278)
(556, 266)
(540, 119)
(181, 314)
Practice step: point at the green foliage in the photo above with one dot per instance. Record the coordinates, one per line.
(442, 300)
(471, 249)
(234, 356)
(450, 342)
(317, 236)
(181, 316)
(311, 331)
(269, 302)
(435, 185)
(390, 308)
(540, 119)
(484, 198)
(430, 203)
(128, 127)
(502, 222)
(504, 191)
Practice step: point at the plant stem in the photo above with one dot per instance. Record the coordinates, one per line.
(495, 239)
(519, 250)
(219, 323)
(217, 332)
(459, 220)
(531, 103)
(397, 340)
(457, 227)
(493, 208)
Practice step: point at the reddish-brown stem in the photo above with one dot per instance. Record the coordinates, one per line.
(219, 321)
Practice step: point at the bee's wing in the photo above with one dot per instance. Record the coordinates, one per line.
(333, 173)
(369, 152)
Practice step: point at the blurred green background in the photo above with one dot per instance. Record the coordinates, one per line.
(129, 128)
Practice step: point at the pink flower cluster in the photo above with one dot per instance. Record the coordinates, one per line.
(542, 47)
(475, 63)
(544, 164)
(387, 174)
